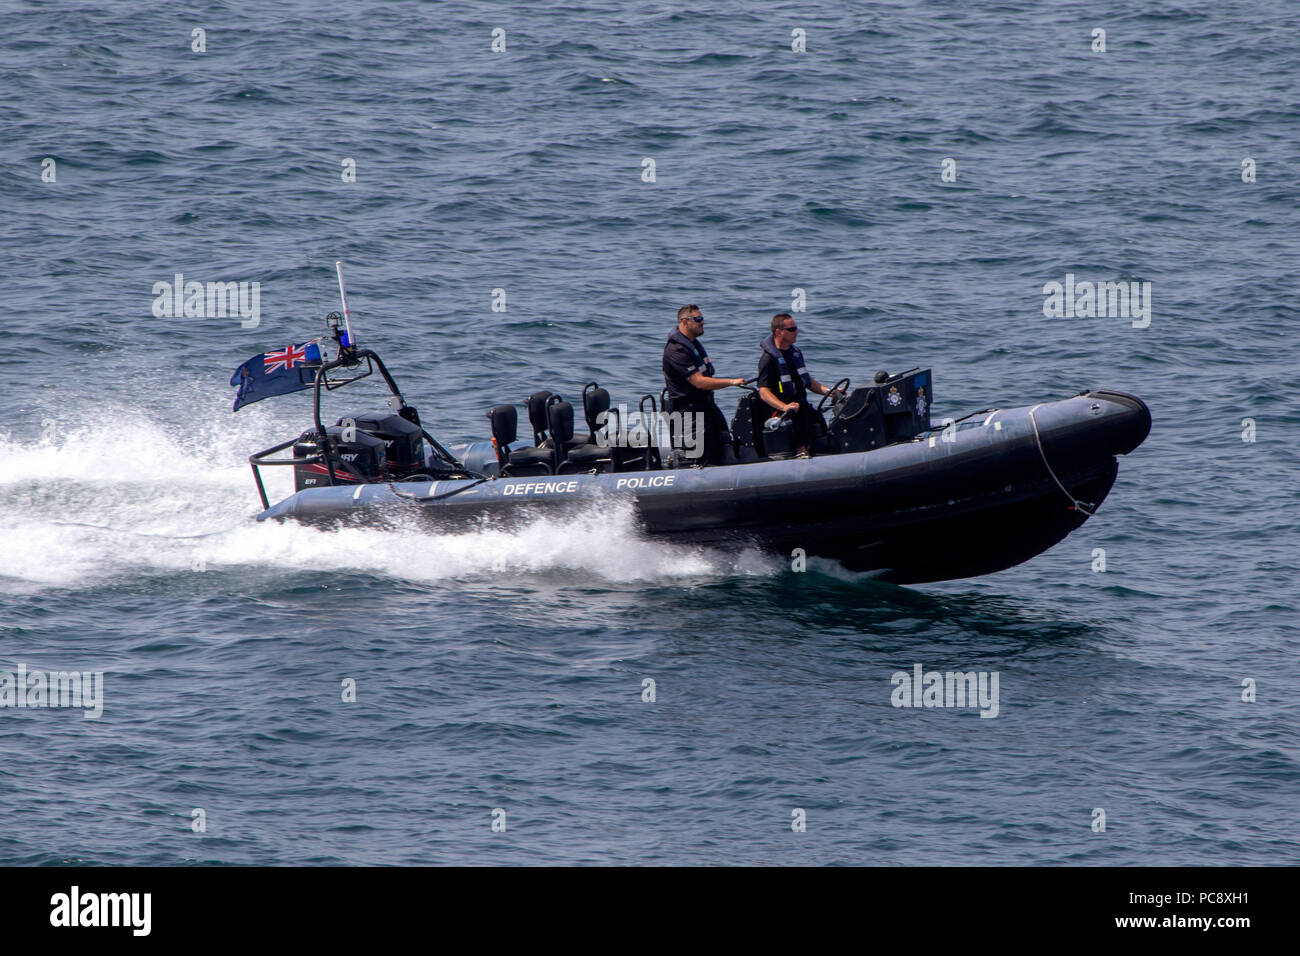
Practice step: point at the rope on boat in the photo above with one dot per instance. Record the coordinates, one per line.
(445, 494)
(1075, 503)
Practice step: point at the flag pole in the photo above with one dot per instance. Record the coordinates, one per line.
(343, 294)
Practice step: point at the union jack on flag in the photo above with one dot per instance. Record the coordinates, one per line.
(289, 369)
(285, 359)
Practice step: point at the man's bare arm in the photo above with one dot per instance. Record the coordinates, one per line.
(769, 396)
(703, 382)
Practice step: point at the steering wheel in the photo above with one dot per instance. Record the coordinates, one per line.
(835, 388)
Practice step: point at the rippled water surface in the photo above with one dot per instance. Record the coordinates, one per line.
(505, 670)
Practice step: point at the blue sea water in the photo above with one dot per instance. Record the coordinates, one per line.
(505, 670)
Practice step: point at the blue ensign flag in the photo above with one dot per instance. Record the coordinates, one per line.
(289, 369)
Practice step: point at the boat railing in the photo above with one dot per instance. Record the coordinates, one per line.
(258, 459)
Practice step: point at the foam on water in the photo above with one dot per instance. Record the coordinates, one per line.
(95, 504)
(602, 546)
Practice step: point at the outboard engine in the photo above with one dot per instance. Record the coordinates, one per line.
(403, 438)
(894, 409)
(365, 446)
(358, 456)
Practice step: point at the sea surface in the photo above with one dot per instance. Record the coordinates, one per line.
(500, 671)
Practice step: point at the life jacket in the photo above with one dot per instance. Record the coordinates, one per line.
(786, 384)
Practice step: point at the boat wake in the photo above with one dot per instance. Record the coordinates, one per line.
(138, 498)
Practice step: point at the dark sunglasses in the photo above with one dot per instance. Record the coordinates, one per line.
(789, 328)
(695, 318)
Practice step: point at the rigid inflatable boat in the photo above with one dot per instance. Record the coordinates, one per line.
(884, 491)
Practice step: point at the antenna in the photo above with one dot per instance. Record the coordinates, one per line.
(347, 317)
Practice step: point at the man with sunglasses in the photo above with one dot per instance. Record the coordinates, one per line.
(688, 374)
(784, 382)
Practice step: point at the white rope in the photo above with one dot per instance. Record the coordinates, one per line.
(1038, 440)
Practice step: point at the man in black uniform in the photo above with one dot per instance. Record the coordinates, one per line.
(688, 373)
(784, 382)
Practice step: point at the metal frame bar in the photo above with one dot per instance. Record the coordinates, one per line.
(347, 358)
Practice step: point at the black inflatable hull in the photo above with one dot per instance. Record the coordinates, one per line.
(976, 498)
